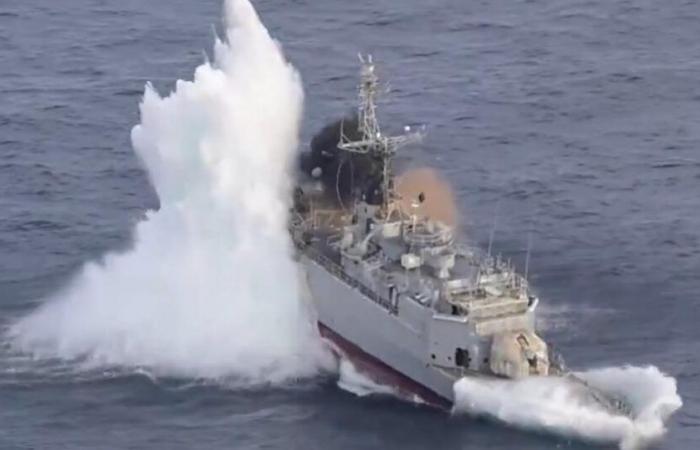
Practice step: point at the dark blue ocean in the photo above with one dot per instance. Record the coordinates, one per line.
(574, 122)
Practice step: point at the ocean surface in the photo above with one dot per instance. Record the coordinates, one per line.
(574, 122)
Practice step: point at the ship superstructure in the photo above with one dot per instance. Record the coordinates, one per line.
(397, 291)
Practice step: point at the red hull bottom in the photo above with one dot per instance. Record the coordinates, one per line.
(382, 373)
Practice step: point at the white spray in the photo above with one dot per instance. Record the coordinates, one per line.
(209, 288)
(555, 406)
(356, 382)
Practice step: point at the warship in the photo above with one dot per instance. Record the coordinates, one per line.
(397, 292)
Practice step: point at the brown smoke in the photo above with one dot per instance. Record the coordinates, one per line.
(439, 201)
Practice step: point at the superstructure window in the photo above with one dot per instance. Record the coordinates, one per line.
(462, 358)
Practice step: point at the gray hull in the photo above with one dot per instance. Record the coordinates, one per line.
(395, 345)
(392, 347)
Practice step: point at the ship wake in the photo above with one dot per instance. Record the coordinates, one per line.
(554, 405)
(209, 288)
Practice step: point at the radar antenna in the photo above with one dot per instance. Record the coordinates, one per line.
(372, 140)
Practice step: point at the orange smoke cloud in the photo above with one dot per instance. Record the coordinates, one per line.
(438, 199)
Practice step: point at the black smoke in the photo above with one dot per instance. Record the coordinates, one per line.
(345, 175)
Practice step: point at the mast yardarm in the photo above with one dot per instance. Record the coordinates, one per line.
(372, 141)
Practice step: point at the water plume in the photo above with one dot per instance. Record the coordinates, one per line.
(209, 288)
(553, 405)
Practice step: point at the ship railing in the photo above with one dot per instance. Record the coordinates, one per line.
(338, 271)
(471, 253)
(420, 235)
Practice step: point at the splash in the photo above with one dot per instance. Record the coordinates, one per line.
(209, 288)
(552, 405)
(352, 380)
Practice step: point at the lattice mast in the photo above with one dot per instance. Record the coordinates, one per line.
(372, 140)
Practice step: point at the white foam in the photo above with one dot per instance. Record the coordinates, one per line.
(209, 288)
(350, 379)
(555, 406)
